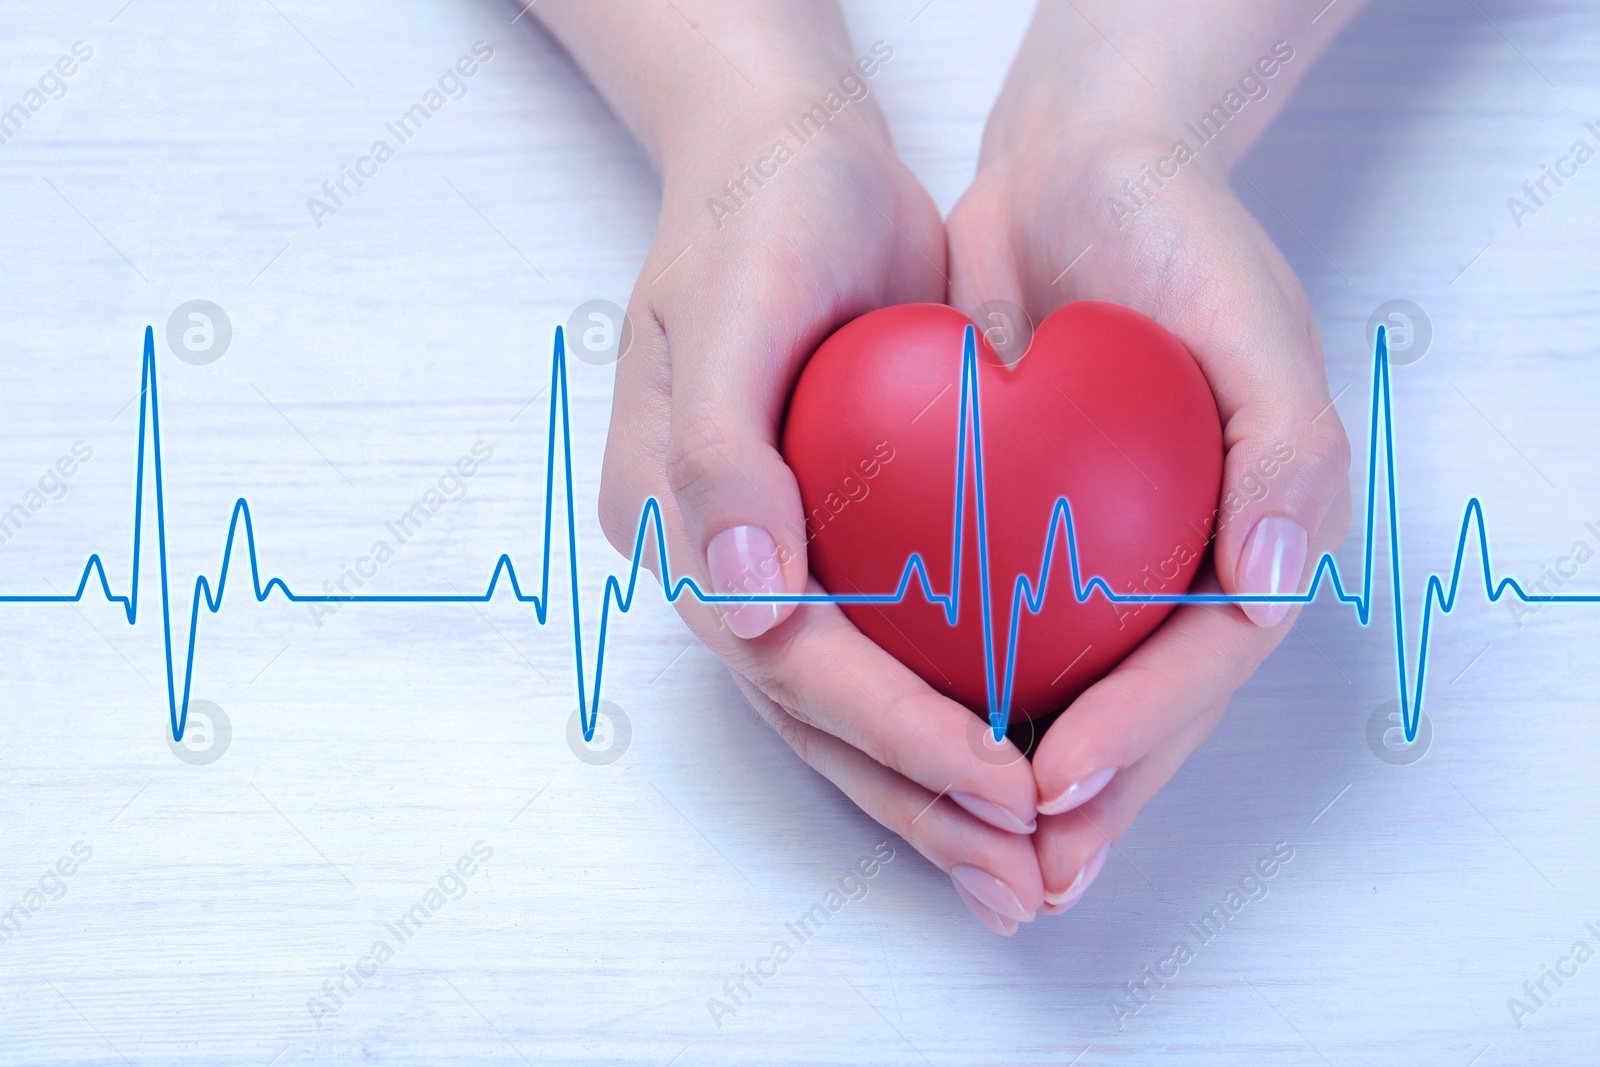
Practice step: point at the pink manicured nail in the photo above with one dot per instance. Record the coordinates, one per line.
(991, 892)
(993, 814)
(1274, 555)
(1079, 793)
(743, 560)
(1056, 904)
(986, 915)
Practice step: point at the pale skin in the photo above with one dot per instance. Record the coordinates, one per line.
(729, 306)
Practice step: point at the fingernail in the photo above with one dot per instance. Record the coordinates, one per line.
(993, 814)
(743, 560)
(986, 915)
(1057, 904)
(990, 891)
(1079, 793)
(1274, 555)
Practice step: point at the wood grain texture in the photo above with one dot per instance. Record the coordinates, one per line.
(372, 748)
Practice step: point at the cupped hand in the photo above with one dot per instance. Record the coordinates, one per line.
(1063, 210)
(766, 244)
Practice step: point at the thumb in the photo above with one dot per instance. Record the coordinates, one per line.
(1228, 294)
(739, 502)
(1285, 487)
(1285, 502)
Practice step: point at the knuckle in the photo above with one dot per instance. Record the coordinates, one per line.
(887, 749)
(1322, 458)
(696, 459)
(919, 828)
(795, 734)
(1335, 445)
(1301, 468)
(770, 677)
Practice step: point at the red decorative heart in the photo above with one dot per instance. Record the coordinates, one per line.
(1106, 409)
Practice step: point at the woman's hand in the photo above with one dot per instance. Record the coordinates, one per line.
(785, 214)
(1083, 193)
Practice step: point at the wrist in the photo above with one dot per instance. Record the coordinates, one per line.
(1085, 76)
(830, 102)
(1089, 156)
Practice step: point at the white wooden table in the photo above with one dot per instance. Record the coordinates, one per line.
(371, 749)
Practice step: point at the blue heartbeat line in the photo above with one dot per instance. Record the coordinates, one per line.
(1027, 595)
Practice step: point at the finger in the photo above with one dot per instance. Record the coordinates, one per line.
(635, 452)
(1194, 660)
(736, 340)
(995, 874)
(1246, 319)
(693, 423)
(738, 500)
(1073, 847)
